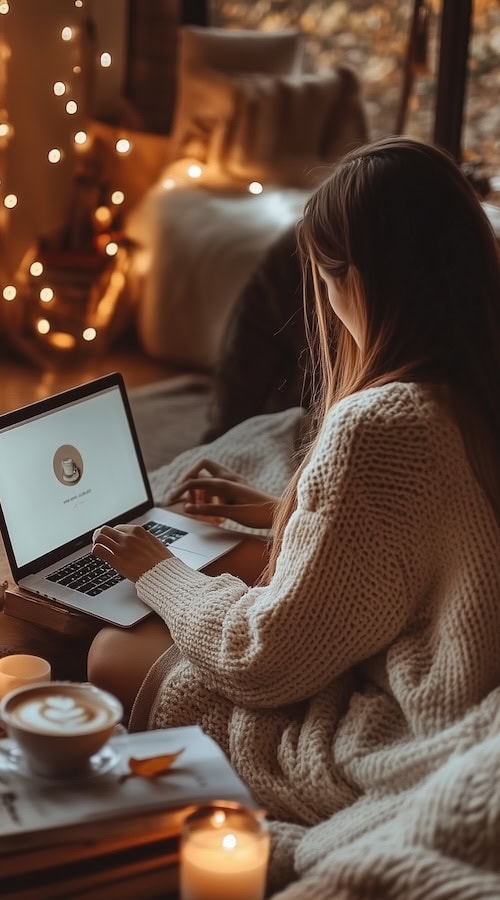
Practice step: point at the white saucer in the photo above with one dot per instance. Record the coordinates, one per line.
(99, 764)
(71, 478)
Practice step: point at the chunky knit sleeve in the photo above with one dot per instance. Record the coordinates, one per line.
(346, 582)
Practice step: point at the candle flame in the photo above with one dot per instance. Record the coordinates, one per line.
(229, 841)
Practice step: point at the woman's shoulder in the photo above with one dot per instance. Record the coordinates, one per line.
(395, 405)
(394, 427)
(398, 420)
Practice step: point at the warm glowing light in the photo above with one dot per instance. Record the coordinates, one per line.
(46, 295)
(36, 268)
(77, 69)
(112, 248)
(4, 8)
(255, 187)
(79, 3)
(117, 280)
(67, 33)
(103, 215)
(168, 183)
(4, 129)
(10, 201)
(62, 340)
(9, 292)
(218, 818)
(59, 88)
(194, 170)
(105, 60)
(123, 145)
(117, 197)
(71, 107)
(43, 326)
(54, 155)
(80, 137)
(89, 334)
(229, 841)
(111, 296)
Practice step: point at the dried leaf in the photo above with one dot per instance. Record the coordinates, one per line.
(153, 765)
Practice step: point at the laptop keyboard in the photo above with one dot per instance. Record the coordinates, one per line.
(90, 575)
(164, 533)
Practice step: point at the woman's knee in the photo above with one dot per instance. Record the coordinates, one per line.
(105, 656)
(119, 659)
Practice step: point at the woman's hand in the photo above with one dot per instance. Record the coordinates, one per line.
(129, 549)
(212, 490)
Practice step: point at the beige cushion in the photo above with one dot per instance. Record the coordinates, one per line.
(226, 50)
(206, 53)
(207, 103)
(285, 127)
(272, 128)
(135, 172)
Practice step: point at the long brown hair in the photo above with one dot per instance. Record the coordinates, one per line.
(403, 234)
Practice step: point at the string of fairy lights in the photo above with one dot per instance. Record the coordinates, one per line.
(31, 283)
(68, 91)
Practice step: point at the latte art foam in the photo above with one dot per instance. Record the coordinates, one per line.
(60, 714)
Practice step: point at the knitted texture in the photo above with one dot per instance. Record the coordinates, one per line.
(343, 686)
(261, 448)
(440, 841)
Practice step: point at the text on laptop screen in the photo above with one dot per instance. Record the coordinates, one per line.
(65, 472)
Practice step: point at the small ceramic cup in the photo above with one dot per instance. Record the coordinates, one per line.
(60, 725)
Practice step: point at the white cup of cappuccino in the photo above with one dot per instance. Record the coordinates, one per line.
(60, 725)
(21, 669)
(69, 468)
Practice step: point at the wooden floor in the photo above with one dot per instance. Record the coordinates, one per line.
(22, 382)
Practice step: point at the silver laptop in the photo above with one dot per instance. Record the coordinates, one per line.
(69, 464)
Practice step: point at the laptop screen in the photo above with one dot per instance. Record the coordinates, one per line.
(66, 471)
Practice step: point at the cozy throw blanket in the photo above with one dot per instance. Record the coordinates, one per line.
(264, 449)
(428, 825)
(431, 833)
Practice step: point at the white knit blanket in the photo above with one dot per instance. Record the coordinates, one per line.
(262, 449)
(430, 832)
(438, 840)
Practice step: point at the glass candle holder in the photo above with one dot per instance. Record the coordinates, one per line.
(224, 853)
(21, 669)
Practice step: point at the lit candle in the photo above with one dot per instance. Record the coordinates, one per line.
(224, 854)
(21, 669)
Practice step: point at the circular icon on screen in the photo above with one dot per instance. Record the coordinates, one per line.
(68, 465)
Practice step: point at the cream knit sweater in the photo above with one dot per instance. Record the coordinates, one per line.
(340, 688)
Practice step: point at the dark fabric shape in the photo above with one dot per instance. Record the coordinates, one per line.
(264, 359)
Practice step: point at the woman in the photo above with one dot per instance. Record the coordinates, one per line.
(374, 624)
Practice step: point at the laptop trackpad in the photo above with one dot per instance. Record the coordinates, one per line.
(193, 560)
(211, 543)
